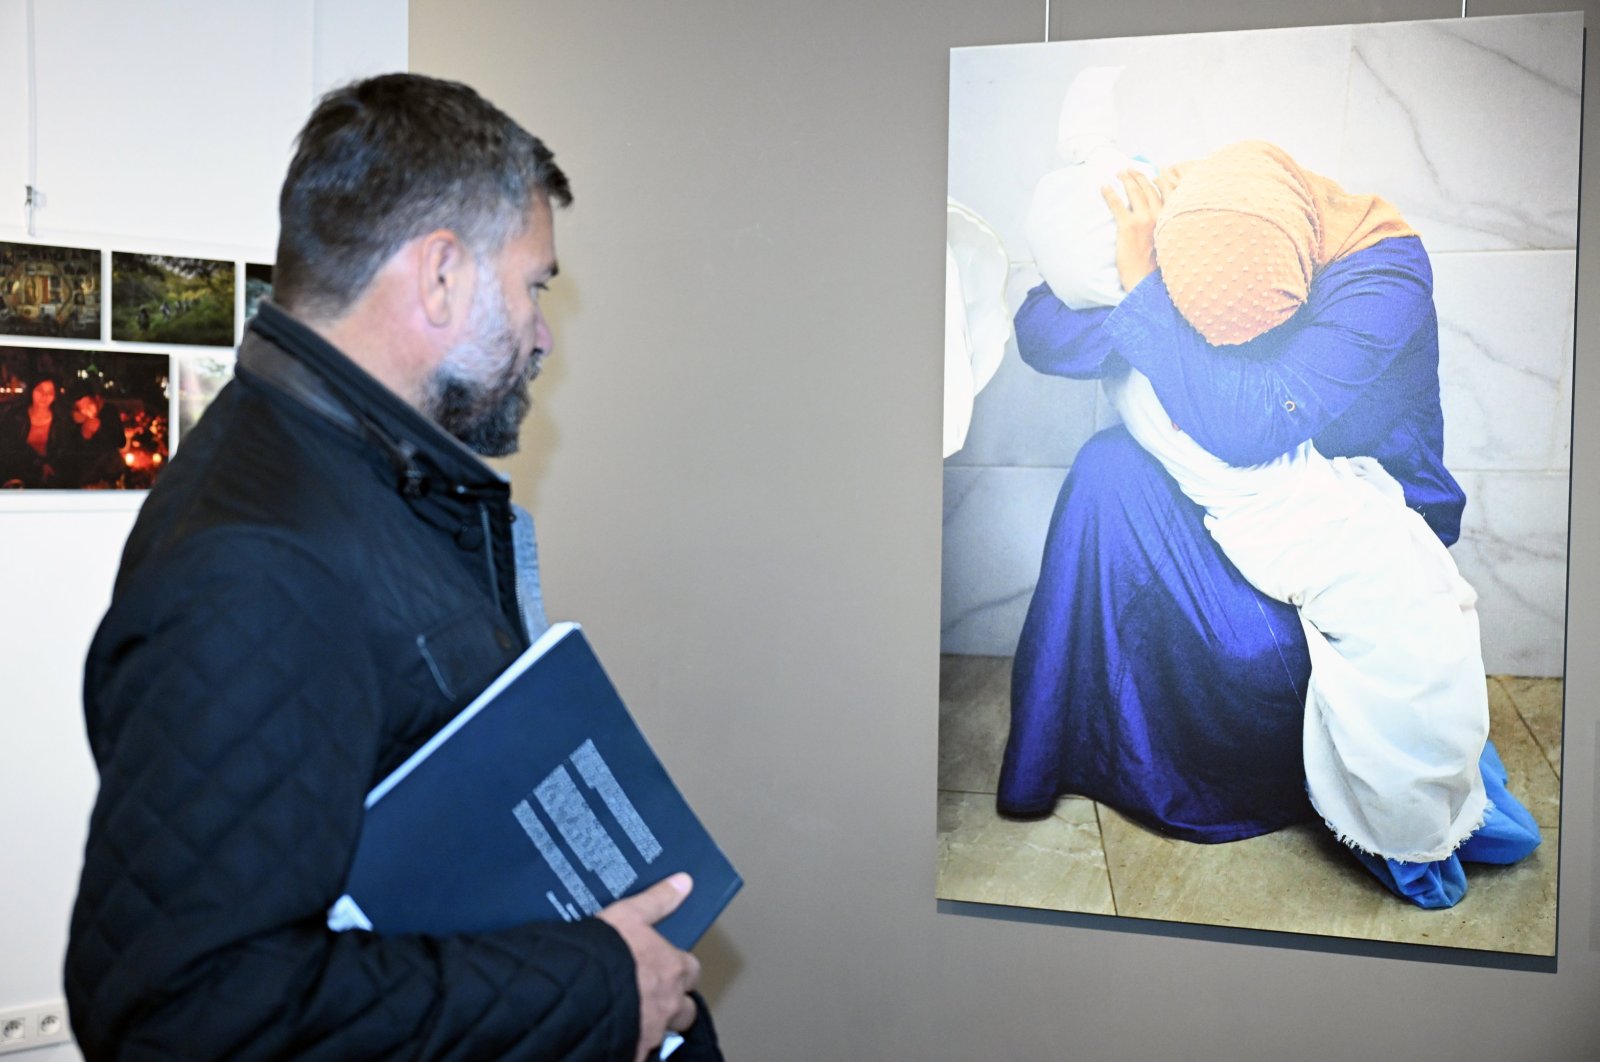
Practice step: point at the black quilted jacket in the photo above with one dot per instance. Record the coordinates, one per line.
(319, 581)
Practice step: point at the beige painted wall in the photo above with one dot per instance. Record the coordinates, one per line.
(735, 466)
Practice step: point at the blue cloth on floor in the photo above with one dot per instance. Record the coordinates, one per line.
(1507, 835)
(1432, 885)
(1509, 832)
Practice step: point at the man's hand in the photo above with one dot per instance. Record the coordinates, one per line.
(1136, 223)
(666, 975)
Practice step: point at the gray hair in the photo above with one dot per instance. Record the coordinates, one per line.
(390, 158)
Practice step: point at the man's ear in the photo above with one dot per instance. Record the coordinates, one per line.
(445, 273)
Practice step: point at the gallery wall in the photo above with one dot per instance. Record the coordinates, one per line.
(735, 466)
(162, 126)
(734, 461)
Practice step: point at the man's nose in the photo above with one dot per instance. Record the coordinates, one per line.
(541, 334)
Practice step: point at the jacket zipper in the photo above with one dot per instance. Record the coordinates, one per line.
(488, 555)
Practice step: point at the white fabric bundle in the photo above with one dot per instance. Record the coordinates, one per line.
(1070, 232)
(1397, 707)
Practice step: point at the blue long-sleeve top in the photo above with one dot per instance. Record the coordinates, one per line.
(1356, 370)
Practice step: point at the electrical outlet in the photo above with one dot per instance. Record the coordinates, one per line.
(39, 1025)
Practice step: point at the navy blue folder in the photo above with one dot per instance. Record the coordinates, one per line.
(540, 801)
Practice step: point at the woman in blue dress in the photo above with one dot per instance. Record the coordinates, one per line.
(1150, 674)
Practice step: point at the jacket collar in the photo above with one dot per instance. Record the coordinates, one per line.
(285, 353)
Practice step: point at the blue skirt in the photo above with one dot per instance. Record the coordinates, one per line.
(1152, 677)
(1149, 674)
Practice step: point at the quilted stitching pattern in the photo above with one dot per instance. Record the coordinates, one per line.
(249, 684)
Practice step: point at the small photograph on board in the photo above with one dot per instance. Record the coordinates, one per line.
(200, 378)
(82, 419)
(257, 286)
(49, 291)
(159, 299)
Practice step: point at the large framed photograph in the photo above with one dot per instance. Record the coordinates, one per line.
(1257, 450)
(162, 299)
(82, 419)
(49, 291)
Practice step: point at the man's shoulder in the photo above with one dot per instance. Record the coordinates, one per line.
(261, 504)
(253, 472)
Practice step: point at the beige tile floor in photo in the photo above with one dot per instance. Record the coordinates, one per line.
(1087, 858)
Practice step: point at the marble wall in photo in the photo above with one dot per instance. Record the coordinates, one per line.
(1469, 126)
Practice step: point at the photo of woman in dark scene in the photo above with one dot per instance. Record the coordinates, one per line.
(81, 420)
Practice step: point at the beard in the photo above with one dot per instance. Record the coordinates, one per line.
(479, 392)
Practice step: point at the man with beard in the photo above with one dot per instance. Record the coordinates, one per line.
(326, 574)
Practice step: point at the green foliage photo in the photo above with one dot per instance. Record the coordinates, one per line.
(157, 299)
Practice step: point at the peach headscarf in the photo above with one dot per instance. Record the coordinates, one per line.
(1241, 236)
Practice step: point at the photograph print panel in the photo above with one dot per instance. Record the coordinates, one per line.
(257, 286)
(201, 377)
(163, 299)
(1255, 523)
(49, 291)
(82, 419)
